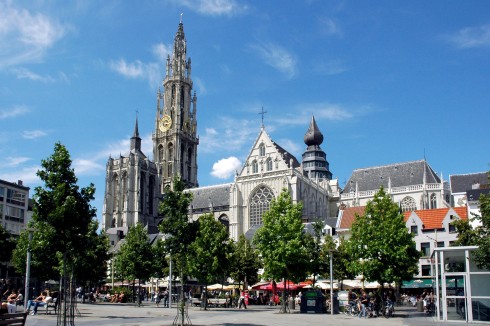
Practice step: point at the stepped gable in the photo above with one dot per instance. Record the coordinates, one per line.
(432, 218)
(217, 196)
(464, 182)
(400, 174)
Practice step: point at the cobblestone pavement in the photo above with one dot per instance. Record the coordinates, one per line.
(127, 314)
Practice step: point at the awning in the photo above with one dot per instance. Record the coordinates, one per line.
(417, 284)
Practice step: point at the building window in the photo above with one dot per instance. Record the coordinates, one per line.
(255, 167)
(170, 152)
(262, 150)
(452, 228)
(408, 204)
(269, 164)
(433, 201)
(425, 249)
(414, 229)
(161, 153)
(425, 270)
(440, 244)
(259, 204)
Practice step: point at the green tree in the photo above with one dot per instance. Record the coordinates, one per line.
(210, 251)
(63, 222)
(380, 247)
(245, 262)
(179, 231)
(318, 251)
(7, 244)
(478, 236)
(135, 258)
(282, 243)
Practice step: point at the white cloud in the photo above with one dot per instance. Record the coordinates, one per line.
(26, 174)
(277, 57)
(28, 35)
(87, 167)
(137, 70)
(33, 134)
(129, 70)
(224, 168)
(162, 51)
(232, 136)
(471, 37)
(13, 112)
(23, 73)
(214, 7)
(321, 111)
(14, 161)
(330, 27)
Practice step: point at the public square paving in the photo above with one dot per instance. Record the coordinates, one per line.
(148, 314)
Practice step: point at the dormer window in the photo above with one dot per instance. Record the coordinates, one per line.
(414, 229)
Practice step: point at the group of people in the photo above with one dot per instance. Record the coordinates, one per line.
(13, 298)
(369, 305)
(43, 299)
(161, 295)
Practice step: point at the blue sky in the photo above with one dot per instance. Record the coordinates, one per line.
(387, 81)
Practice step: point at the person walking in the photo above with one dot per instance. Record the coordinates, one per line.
(241, 301)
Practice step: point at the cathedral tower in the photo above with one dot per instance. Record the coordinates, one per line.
(131, 189)
(314, 161)
(175, 139)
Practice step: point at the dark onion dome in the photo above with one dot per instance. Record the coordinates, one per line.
(313, 136)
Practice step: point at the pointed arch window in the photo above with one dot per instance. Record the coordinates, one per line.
(170, 152)
(433, 201)
(115, 194)
(408, 204)
(255, 167)
(124, 181)
(262, 150)
(161, 153)
(268, 164)
(259, 204)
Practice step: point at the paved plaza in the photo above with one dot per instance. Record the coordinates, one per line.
(148, 314)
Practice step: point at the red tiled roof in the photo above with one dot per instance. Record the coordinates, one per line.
(349, 215)
(432, 218)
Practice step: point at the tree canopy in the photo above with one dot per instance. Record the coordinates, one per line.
(63, 225)
(135, 258)
(281, 241)
(210, 250)
(380, 247)
(245, 262)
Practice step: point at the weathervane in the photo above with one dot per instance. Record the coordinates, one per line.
(181, 17)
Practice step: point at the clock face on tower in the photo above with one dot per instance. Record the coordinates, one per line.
(165, 123)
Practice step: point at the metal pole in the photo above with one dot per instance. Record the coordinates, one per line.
(169, 283)
(331, 283)
(28, 271)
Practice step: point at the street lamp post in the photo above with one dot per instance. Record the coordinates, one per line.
(28, 269)
(169, 283)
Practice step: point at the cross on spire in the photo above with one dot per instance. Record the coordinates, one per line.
(262, 112)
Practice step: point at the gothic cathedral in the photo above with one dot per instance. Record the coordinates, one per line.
(134, 183)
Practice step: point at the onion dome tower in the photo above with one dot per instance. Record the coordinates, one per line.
(314, 160)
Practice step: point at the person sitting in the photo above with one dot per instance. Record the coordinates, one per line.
(114, 297)
(11, 302)
(20, 299)
(121, 298)
(40, 301)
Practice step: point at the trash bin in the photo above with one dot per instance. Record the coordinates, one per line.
(291, 303)
(420, 306)
(312, 302)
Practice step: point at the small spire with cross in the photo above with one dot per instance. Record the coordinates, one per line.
(262, 112)
(181, 14)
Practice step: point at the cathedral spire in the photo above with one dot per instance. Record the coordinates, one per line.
(313, 136)
(136, 140)
(314, 162)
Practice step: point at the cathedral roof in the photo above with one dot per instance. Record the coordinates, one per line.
(287, 156)
(313, 136)
(394, 175)
(464, 182)
(211, 196)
